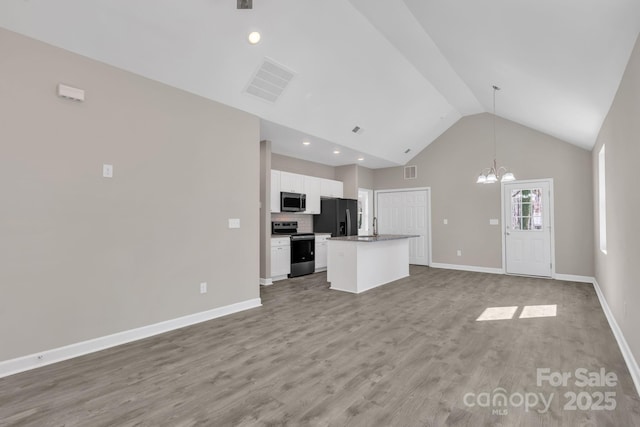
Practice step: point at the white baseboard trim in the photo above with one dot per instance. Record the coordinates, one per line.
(467, 268)
(47, 357)
(266, 282)
(574, 278)
(632, 365)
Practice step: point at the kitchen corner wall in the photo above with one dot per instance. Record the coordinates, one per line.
(302, 167)
(365, 177)
(265, 209)
(617, 271)
(450, 166)
(348, 174)
(85, 256)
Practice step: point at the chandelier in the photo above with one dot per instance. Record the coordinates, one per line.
(494, 173)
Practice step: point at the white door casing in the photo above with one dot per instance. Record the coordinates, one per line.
(528, 222)
(406, 212)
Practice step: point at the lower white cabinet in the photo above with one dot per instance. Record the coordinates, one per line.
(321, 251)
(280, 258)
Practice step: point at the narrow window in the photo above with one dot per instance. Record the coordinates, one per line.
(602, 202)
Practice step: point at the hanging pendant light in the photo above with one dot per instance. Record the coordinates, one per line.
(494, 173)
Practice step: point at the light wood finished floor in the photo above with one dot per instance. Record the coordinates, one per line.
(404, 354)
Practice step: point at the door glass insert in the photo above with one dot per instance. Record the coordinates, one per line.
(526, 209)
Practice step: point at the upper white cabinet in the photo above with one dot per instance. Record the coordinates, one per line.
(291, 182)
(312, 186)
(312, 190)
(275, 191)
(331, 188)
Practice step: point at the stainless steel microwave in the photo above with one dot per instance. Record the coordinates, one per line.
(293, 202)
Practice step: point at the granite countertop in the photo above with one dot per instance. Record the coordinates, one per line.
(378, 238)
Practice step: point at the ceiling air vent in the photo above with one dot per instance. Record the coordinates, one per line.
(269, 81)
(245, 4)
(410, 172)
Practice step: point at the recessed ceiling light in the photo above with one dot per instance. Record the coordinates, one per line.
(360, 159)
(306, 143)
(336, 151)
(254, 37)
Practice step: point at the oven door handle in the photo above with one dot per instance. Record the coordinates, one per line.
(296, 238)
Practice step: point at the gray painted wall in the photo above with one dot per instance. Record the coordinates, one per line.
(365, 177)
(303, 167)
(265, 209)
(348, 175)
(83, 256)
(617, 271)
(450, 166)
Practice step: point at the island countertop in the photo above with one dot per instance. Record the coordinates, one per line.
(378, 238)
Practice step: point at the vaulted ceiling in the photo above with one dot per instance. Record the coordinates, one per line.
(403, 71)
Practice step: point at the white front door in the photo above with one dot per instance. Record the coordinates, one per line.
(528, 228)
(406, 212)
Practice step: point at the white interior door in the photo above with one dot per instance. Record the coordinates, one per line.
(365, 211)
(528, 228)
(389, 213)
(406, 212)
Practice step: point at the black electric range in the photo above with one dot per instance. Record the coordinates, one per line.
(302, 247)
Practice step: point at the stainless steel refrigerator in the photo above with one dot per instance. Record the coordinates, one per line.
(338, 217)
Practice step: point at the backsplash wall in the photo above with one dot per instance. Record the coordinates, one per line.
(305, 221)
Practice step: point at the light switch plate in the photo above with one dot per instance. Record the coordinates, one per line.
(494, 221)
(107, 171)
(234, 222)
(445, 221)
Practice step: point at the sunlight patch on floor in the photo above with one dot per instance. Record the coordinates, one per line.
(530, 311)
(497, 313)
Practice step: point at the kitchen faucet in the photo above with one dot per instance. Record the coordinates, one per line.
(375, 226)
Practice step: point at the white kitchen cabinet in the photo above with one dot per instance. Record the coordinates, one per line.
(291, 182)
(331, 188)
(275, 191)
(280, 258)
(321, 251)
(312, 190)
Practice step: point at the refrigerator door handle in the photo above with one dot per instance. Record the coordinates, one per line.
(348, 223)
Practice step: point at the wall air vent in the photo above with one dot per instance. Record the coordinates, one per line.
(411, 172)
(245, 4)
(269, 81)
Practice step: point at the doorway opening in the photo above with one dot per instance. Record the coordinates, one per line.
(528, 243)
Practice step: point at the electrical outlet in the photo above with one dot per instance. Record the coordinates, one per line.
(459, 253)
(203, 287)
(107, 171)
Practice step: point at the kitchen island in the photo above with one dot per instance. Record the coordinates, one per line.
(359, 263)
